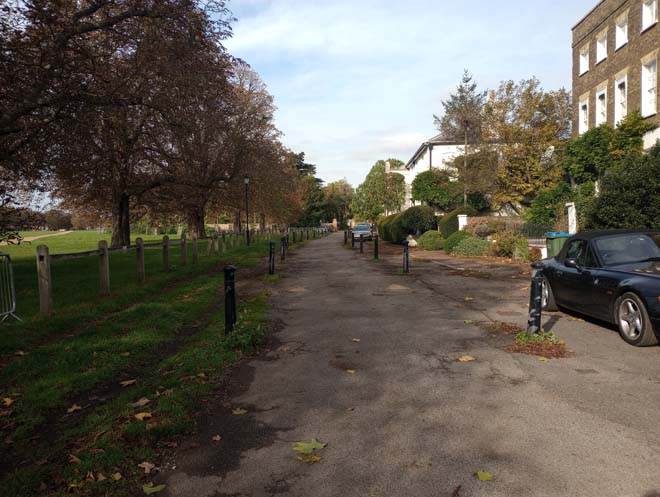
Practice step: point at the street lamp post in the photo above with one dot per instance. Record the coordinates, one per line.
(247, 211)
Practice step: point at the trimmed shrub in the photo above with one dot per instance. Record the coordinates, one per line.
(383, 224)
(397, 232)
(448, 224)
(418, 219)
(483, 227)
(431, 240)
(455, 239)
(510, 244)
(472, 247)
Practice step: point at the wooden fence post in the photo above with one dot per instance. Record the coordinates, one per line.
(45, 281)
(184, 250)
(104, 268)
(195, 250)
(166, 254)
(139, 259)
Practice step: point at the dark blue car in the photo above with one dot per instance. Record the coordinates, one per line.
(609, 275)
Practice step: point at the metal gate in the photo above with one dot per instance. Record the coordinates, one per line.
(7, 292)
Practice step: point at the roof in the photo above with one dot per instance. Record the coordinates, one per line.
(590, 235)
(436, 140)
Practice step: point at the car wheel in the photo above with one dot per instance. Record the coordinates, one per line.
(547, 297)
(633, 321)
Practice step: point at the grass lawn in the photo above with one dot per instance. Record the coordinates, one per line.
(69, 425)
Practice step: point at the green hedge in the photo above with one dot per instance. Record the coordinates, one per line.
(455, 239)
(472, 247)
(448, 224)
(390, 228)
(510, 244)
(418, 219)
(431, 240)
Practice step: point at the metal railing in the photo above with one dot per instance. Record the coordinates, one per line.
(7, 290)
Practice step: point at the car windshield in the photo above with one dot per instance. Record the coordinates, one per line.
(363, 227)
(632, 247)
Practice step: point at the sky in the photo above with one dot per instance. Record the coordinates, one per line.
(358, 81)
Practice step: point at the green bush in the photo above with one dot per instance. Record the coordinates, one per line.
(397, 232)
(383, 224)
(472, 247)
(483, 227)
(510, 244)
(455, 239)
(418, 219)
(448, 224)
(431, 240)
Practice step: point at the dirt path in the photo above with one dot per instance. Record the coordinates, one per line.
(401, 415)
(33, 238)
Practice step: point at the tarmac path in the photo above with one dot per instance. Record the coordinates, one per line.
(401, 416)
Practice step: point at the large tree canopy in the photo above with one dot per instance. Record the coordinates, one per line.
(381, 192)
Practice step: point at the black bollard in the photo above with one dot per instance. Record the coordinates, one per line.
(405, 257)
(352, 240)
(362, 245)
(376, 247)
(230, 298)
(271, 259)
(282, 248)
(535, 300)
(345, 237)
(287, 241)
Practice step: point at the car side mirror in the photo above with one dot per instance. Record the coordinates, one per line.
(573, 263)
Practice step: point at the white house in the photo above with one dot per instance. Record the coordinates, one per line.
(436, 152)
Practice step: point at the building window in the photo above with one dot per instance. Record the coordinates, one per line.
(649, 87)
(583, 124)
(620, 99)
(601, 107)
(601, 47)
(649, 13)
(584, 59)
(621, 35)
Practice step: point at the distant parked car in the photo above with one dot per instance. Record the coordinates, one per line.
(609, 275)
(362, 230)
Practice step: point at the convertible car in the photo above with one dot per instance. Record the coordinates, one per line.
(610, 275)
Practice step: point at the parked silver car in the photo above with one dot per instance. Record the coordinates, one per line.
(362, 230)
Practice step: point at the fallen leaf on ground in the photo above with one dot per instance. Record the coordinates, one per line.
(544, 359)
(575, 319)
(127, 383)
(166, 393)
(141, 403)
(356, 340)
(350, 371)
(308, 458)
(146, 466)
(484, 476)
(227, 404)
(467, 358)
(141, 416)
(74, 408)
(7, 401)
(468, 321)
(73, 459)
(238, 411)
(100, 477)
(149, 488)
(116, 476)
(468, 299)
(90, 476)
(20, 353)
(216, 438)
(201, 375)
(308, 447)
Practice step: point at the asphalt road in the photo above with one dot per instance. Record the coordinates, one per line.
(412, 420)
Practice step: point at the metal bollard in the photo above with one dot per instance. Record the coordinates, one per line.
(376, 247)
(362, 245)
(271, 258)
(406, 266)
(287, 241)
(535, 300)
(352, 240)
(230, 298)
(345, 237)
(283, 248)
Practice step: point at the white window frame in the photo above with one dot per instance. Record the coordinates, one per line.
(601, 107)
(621, 31)
(601, 47)
(620, 101)
(649, 86)
(584, 60)
(583, 116)
(649, 13)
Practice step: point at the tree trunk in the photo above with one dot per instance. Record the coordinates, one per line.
(121, 224)
(196, 225)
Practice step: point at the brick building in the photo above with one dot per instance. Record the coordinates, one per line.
(615, 64)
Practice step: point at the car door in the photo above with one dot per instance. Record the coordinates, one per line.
(575, 288)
